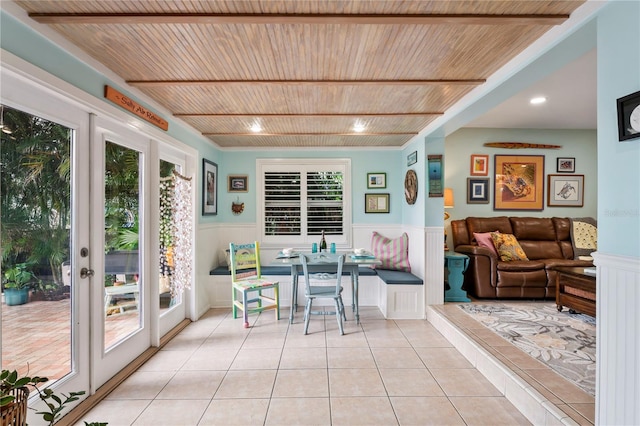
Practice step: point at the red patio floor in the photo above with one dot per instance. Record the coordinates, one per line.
(36, 336)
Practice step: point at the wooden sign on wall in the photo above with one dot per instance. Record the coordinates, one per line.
(130, 105)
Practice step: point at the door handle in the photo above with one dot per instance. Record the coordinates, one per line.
(85, 273)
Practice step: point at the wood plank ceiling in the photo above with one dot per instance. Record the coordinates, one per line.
(305, 71)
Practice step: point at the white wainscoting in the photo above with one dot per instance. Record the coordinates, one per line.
(617, 340)
(434, 260)
(401, 302)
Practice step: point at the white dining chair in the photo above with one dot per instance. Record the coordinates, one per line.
(313, 292)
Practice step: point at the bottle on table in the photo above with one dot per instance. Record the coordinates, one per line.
(323, 243)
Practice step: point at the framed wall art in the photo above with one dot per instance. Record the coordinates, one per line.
(519, 182)
(566, 165)
(479, 165)
(237, 183)
(629, 117)
(436, 188)
(565, 190)
(477, 190)
(376, 180)
(412, 158)
(209, 187)
(376, 203)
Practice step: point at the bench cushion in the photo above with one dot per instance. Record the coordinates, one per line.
(398, 277)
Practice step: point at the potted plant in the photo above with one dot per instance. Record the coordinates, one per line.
(17, 281)
(14, 394)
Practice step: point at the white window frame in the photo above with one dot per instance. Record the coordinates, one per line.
(303, 165)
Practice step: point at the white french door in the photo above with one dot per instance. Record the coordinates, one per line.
(58, 133)
(120, 242)
(106, 178)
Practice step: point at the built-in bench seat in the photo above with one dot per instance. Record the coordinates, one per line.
(399, 295)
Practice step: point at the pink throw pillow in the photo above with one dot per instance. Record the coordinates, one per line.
(484, 240)
(394, 253)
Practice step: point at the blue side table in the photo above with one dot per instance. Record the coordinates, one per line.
(457, 263)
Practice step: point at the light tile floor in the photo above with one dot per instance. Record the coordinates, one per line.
(577, 404)
(382, 372)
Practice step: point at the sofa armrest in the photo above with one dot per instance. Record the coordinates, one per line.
(481, 276)
(476, 250)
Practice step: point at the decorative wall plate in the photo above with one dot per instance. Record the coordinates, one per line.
(411, 187)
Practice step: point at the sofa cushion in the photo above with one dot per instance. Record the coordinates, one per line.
(392, 252)
(541, 249)
(508, 247)
(533, 228)
(489, 224)
(562, 224)
(521, 266)
(484, 240)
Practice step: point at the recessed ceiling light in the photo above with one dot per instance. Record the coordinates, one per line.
(538, 100)
(256, 127)
(358, 127)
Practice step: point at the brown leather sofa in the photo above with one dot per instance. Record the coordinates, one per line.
(546, 242)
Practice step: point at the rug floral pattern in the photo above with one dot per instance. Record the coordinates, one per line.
(564, 342)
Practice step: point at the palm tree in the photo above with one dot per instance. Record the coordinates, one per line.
(35, 182)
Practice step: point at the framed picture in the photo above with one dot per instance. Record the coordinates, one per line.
(566, 165)
(412, 158)
(237, 183)
(519, 182)
(376, 180)
(565, 190)
(479, 165)
(629, 117)
(209, 187)
(376, 203)
(477, 190)
(436, 188)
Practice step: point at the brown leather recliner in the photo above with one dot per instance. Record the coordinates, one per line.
(546, 242)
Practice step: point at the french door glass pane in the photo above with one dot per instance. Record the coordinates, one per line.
(36, 223)
(123, 282)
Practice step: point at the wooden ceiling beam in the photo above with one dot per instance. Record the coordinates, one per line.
(275, 115)
(163, 83)
(311, 134)
(322, 19)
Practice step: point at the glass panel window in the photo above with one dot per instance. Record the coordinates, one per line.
(301, 199)
(123, 282)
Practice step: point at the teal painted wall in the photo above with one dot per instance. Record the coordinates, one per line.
(362, 162)
(618, 162)
(412, 214)
(579, 144)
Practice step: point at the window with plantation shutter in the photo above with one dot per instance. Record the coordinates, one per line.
(302, 198)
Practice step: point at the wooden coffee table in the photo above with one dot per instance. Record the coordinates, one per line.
(576, 290)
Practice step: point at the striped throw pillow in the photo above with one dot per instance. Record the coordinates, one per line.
(394, 253)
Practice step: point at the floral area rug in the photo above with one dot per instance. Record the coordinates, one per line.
(564, 342)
